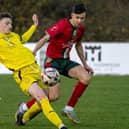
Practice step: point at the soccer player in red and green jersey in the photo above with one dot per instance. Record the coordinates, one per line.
(62, 36)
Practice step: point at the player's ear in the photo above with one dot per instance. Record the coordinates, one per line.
(71, 15)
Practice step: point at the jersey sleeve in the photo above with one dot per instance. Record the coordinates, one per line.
(80, 33)
(27, 35)
(57, 29)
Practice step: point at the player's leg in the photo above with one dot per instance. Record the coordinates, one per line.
(42, 105)
(78, 90)
(83, 76)
(29, 104)
(45, 106)
(33, 111)
(28, 109)
(32, 87)
(53, 94)
(24, 106)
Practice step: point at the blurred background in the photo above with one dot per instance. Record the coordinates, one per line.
(106, 20)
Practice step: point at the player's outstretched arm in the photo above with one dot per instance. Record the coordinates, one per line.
(41, 42)
(27, 35)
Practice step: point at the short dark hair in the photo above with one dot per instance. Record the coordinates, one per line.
(5, 14)
(79, 8)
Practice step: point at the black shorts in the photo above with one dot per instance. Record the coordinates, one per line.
(62, 65)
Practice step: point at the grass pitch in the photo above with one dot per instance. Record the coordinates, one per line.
(105, 104)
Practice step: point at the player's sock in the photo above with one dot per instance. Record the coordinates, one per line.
(69, 108)
(77, 92)
(30, 103)
(24, 106)
(50, 113)
(31, 112)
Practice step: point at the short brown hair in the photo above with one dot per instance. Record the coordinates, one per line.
(5, 15)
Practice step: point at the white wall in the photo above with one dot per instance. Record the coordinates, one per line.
(104, 58)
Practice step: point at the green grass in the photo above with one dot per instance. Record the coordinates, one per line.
(105, 104)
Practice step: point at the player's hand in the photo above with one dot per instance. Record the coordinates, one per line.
(35, 19)
(89, 69)
(34, 53)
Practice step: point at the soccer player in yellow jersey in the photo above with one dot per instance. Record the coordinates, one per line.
(26, 72)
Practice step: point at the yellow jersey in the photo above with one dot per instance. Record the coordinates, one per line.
(13, 54)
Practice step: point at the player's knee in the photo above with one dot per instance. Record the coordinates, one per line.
(85, 79)
(53, 97)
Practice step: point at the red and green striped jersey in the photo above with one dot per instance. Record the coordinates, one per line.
(62, 37)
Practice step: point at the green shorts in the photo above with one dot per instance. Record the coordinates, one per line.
(62, 65)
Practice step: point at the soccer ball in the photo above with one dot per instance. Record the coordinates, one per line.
(50, 76)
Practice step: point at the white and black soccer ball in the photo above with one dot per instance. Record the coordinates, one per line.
(50, 76)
